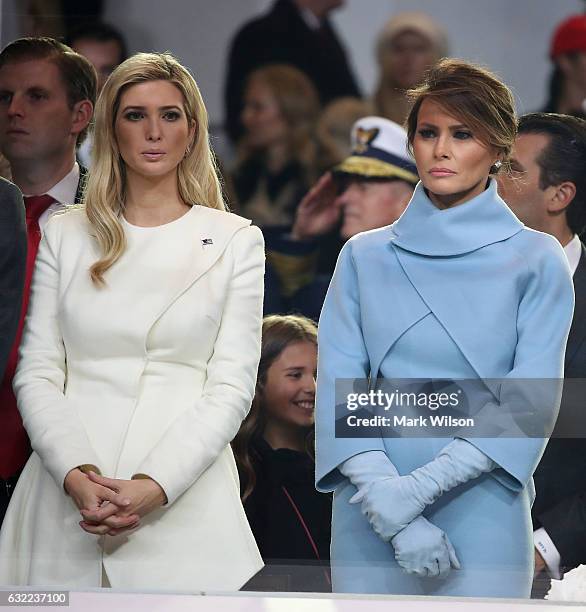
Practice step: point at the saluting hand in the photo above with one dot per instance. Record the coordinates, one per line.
(318, 212)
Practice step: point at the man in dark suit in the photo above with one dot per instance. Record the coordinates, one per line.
(12, 272)
(12, 264)
(47, 95)
(547, 191)
(295, 32)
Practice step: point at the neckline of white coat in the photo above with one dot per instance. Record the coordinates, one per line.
(150, 228)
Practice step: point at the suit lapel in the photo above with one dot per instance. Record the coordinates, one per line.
(578, 329)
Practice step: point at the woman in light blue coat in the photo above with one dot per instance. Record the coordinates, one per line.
(456, 289)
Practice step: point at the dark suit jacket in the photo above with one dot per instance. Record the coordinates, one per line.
(11, 427)
(12, 265)
(282, 36)
(560, 478)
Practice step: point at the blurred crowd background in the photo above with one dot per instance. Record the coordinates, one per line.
(511, 38)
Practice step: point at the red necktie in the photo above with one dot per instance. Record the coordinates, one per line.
(14, 447)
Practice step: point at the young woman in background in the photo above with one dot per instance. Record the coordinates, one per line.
(277, 152)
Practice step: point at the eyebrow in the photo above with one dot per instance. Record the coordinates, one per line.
(32, 88)
(142, 108)
(457, 126)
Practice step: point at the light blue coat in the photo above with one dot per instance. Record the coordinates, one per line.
(466, 292)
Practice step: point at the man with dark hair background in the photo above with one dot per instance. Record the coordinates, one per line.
(12, 271)
(547, 191)
(105, 48)
(47, 95)
(103, 45)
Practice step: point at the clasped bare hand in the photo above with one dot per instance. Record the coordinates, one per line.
(91, 496)
(144, 495)
(111, 506)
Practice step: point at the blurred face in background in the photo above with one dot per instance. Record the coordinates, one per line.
(262, 118)
(405, 58)
(368, 204)
(573, 67)
(288, 397)
(103, 55)
(521, 189)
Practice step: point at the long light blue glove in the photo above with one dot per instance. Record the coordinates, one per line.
(392, 503)
(363, 469)
(421, 548)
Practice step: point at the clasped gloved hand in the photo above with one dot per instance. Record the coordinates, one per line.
(391, 503)
(421, 548)
(424, 550)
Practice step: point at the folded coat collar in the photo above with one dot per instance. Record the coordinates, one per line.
(427, 230)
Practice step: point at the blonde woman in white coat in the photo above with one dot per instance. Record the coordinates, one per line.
(139, 360)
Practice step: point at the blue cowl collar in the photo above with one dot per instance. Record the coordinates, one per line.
(427, 230)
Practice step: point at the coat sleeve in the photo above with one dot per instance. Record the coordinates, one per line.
(565, 524)
(197, 437)
(530, 394)
(342, 354)
(52, 423)
(12, 265)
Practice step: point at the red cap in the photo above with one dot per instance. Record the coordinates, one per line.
(569, 36)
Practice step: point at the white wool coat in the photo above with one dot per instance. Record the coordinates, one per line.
(154, 383)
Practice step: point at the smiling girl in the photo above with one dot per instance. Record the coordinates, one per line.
(457, 288)
(274, 453)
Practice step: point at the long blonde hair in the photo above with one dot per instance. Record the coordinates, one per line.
(105, 192)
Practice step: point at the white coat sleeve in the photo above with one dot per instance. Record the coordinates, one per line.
(52, 423)
(197, 437)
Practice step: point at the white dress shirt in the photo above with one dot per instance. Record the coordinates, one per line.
(543, 543)
(573, 251)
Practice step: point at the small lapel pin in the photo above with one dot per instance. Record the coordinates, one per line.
(206, 241)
